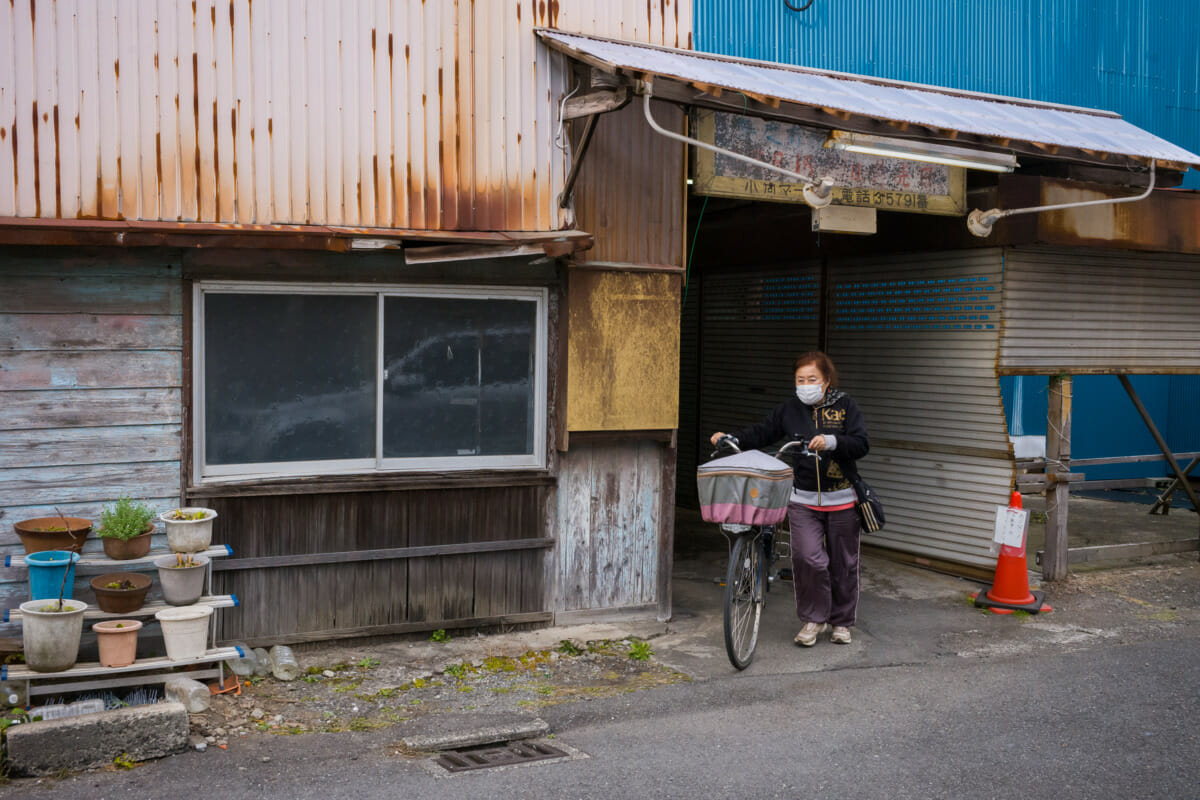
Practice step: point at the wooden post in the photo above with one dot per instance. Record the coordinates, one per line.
(666, 530)
(1058, 460)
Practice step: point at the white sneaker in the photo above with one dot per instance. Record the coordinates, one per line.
(807, 636)
(840, 635)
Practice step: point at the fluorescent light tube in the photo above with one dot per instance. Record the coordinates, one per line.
(921, 151)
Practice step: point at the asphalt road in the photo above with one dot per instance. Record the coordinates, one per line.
(1112, 720)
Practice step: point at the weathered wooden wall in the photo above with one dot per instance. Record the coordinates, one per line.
(90, 377)
(609, 512)
(302, 570)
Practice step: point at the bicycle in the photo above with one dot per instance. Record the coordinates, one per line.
(752, 555)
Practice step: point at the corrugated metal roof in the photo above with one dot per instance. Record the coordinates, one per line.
(374, 113)
(998, 118)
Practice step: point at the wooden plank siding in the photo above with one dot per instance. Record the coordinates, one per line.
(609, 512)
(90, 377)
(292, 600)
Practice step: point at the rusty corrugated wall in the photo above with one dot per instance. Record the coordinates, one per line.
(390, 113)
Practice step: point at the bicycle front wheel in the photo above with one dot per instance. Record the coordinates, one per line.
(743, 599)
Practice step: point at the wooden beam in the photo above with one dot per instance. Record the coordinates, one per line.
(597, 102)
(1058, 458)
(532, 617)
(464, 548)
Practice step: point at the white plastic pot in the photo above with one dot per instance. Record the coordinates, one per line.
(189, 535)
(185, 631)
(51, 638)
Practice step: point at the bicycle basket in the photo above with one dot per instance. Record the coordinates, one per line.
(750, 488)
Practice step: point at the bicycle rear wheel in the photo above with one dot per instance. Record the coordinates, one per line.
(743, 599)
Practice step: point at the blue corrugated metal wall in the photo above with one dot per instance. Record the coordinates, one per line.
(1135, 57)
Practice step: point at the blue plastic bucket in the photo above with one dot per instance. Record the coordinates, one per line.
(46, 573)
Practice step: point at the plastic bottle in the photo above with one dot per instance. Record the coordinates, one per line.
(12, 695)
(262, 662)
(242, 667)
(283, 663)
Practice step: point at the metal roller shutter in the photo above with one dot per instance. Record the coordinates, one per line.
(753, 325)
(1098, 311)
(915, 339)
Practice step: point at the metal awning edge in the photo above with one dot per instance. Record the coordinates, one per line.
(1170, 156)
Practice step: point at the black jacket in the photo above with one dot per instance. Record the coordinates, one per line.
(838, 414)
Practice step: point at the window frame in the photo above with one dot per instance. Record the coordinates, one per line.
(378, 464)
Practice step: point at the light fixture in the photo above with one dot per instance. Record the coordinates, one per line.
(921, 151)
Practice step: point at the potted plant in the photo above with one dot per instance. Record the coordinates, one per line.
(50, 631)
(185, 631)
(117, 640)
(189, 530)
(181, 576)
(125, 527)
(120, 592)
(53, 533)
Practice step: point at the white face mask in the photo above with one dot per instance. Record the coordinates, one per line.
(810, 393)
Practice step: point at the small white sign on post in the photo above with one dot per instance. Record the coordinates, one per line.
(1011, 524)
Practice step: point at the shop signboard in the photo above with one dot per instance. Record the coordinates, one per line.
(891, 184)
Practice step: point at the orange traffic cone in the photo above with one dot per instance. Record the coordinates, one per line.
(1010, 586)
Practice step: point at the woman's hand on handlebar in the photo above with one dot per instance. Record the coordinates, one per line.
(715, 437)
(817, 443)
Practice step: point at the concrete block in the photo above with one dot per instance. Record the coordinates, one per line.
(193, 694)
(470, 733)
(94, 740)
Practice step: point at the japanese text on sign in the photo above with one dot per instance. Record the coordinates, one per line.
(859, 180)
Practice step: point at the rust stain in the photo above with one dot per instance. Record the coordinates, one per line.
(120, 183)
(158, 158)
(216, 163)
(33, 12)
(37, 172)
(372, 40)
(57, 168)
(375, 173)
(176, 105)
(4, 133)
(13, 128)
(156, 61)
(196, 115)
(270, 127)
(390, 45)
(406, 54)
(542, 10)
(231, 15)
(233, 126)
(553, 13)
(212, 14)
(117, 68)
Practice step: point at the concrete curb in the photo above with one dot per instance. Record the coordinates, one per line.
(94, 740)
(452, 740)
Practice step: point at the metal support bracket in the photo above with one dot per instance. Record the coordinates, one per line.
(589, 128)
(1180, 475)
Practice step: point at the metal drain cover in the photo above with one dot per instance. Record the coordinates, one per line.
(498, 756)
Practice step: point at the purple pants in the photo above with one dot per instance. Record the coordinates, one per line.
(825, 564)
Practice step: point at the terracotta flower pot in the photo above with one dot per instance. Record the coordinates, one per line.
(125, 549)
(120, 601)
(46, 533)
(117, 640)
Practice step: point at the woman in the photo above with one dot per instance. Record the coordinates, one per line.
(825, 528)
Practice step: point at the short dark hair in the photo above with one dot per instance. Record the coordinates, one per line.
(822, 362)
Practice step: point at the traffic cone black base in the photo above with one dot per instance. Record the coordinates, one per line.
(1038, 605)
